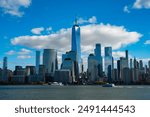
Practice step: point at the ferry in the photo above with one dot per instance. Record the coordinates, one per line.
(108, 85)
(55, 83)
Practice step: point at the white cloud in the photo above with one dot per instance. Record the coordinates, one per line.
(139, 4)
(22, 54)
(59, 40)
(49, 29)
(37, 30)
(107, 35)
(24, 57)
(24, 51)
(145, 60)
(118, 54)
(13, 7)
(126, 9)
(147, 42)
(11, 52)
(91, 20)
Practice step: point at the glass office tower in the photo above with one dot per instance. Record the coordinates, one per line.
(5, 76)
(76, 42)
(37, 61)
(97, 52)
(50, 60)
(108, 61)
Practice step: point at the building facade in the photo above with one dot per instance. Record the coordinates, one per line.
(108, 62)
(98, 56)
(37, 61)
(75, 46)
(50, 60)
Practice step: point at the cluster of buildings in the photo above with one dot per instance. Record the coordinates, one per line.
(99, 69)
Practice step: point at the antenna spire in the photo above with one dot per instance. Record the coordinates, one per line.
(76, 20)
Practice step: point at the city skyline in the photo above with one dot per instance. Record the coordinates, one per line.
(118, 25)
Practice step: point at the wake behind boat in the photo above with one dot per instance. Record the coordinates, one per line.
(108, 85)
(55, 83)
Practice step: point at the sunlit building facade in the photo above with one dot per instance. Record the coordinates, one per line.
(37, 61)
(108, 60)
(50, 60)
(76, 47)
(97, 52)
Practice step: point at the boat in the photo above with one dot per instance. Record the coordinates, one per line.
(55, 83)
(108, 85)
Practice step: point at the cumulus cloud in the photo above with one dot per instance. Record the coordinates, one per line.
(91, 20)
(13, 7)
(24, 51)
(118, 54)
(139, 4)
(24, 57)
(147, 42)
(58, 40)
(24, 54)
(126, 9)
(21, 54)
(11, 52)
(145, 60)
(37, 30)
(49, 29)
(106, 34)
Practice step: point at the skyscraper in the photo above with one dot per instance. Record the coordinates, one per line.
(67, 64)
(92, 68)
(37, 61)
(127, 54)
(131, 64)
(108, 60)
(124, 67)
(76, 43)
(50, 60)
(97, 52)
(5, 75)
(141, 65)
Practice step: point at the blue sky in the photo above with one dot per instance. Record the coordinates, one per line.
(27, 25)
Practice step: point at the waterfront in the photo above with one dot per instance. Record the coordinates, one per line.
(39, 92)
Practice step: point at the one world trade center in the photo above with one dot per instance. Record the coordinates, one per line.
(76, 43)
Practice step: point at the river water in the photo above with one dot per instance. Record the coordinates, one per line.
(85, 92)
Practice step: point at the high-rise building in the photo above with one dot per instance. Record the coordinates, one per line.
(127, 54)
(50, 60)
(92, 68)
(118, 69)
(136, 71)
(76, 47)
(124, 67)
(37, 61)
(97, 52)
(69, 64)
(149, 64)
(126, 75)
(41, 75)
(108, 61)
(131, 64)
(69, 61)
(141, 65)
(1, 71)
(5, 74)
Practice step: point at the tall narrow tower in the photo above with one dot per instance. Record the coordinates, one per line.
(5, 77)
(76, 42)
(37, 61)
